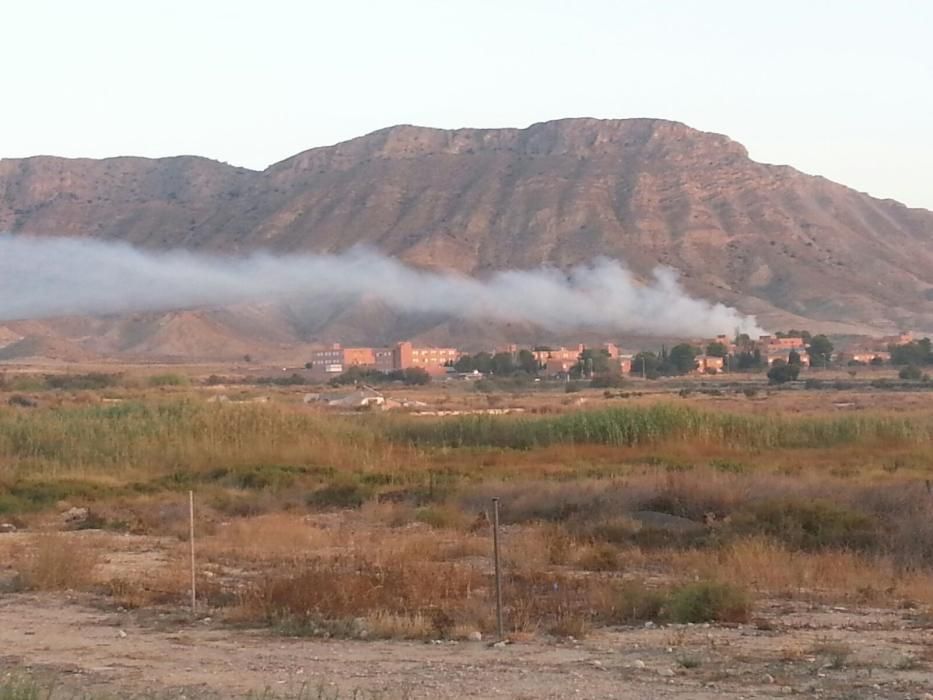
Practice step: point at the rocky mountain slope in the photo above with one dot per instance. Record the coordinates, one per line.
(793, 248)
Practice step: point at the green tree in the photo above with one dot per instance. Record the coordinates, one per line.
(782, 372)
(415, 376)
(503, 363)
(820, 351)
(910, 372)
(793, 358)
(527, 362)
(748, 360)
(592, 362)
(682, 359)
(913, 353)
(717, 349)
(645, 364)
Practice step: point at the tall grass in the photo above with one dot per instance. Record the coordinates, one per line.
(190, 434)
(633, 426)
(170, 435)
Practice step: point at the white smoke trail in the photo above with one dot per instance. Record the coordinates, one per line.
(45, 277)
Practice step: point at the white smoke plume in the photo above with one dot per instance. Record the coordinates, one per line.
(45, 277)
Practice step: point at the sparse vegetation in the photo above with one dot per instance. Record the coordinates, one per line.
(366, 526)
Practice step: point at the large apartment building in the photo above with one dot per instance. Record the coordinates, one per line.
(433, 360)
(337, 359)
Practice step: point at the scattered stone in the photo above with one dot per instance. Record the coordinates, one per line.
(7, 527)
(639, 663)
(649, 625)
(74, 517)
(666, 672)
(475, 636)
(769, 679)
(121, 634)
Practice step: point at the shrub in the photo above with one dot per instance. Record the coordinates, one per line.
(633, 602)
(728, 466)
(809, 525)
(607, 381)
(780, 374)
(343, 492)
(910, 373)
(600, 557)
(441, 517)
(92, 381)
(708, 601)
(168, 380)
(287, 380)
(414, 376)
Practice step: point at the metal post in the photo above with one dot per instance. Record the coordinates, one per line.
(495, 544)
(194, 595)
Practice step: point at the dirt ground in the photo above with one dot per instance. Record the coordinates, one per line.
(805, 651)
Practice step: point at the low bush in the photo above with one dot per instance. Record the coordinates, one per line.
(708, 601)
(599, 557)
(442, 517)
(345, 491)
(809, 525)
(92, 381)
(283, 380)
(633, 602)
(157, 380)
(608, 381)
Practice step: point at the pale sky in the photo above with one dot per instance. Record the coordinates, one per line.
(840, 88)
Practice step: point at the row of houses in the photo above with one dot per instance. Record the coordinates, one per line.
(559, 361)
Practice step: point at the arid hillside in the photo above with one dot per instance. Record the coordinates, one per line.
(792, 248)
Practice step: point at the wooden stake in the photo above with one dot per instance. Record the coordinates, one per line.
(194, 594)
(495, 545)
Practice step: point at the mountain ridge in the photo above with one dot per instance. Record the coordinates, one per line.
(769, 239)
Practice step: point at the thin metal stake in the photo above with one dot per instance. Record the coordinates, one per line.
(495, 544)
(194, 594)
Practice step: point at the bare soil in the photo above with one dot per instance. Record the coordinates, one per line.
(791, 649)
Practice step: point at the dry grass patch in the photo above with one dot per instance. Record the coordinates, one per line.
(324, 592)
(769, 567)
(269, 538)
(57, 562)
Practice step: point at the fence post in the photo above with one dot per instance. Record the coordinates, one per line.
(495, 545)
(194, 594)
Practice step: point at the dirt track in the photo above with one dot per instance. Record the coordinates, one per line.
(86, 648)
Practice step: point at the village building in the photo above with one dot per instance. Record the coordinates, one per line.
(571, 355)
(867, 357)
(337, 359)
(710, 364)
(434, 361)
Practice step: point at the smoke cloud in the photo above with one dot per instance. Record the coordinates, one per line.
(45, 277)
